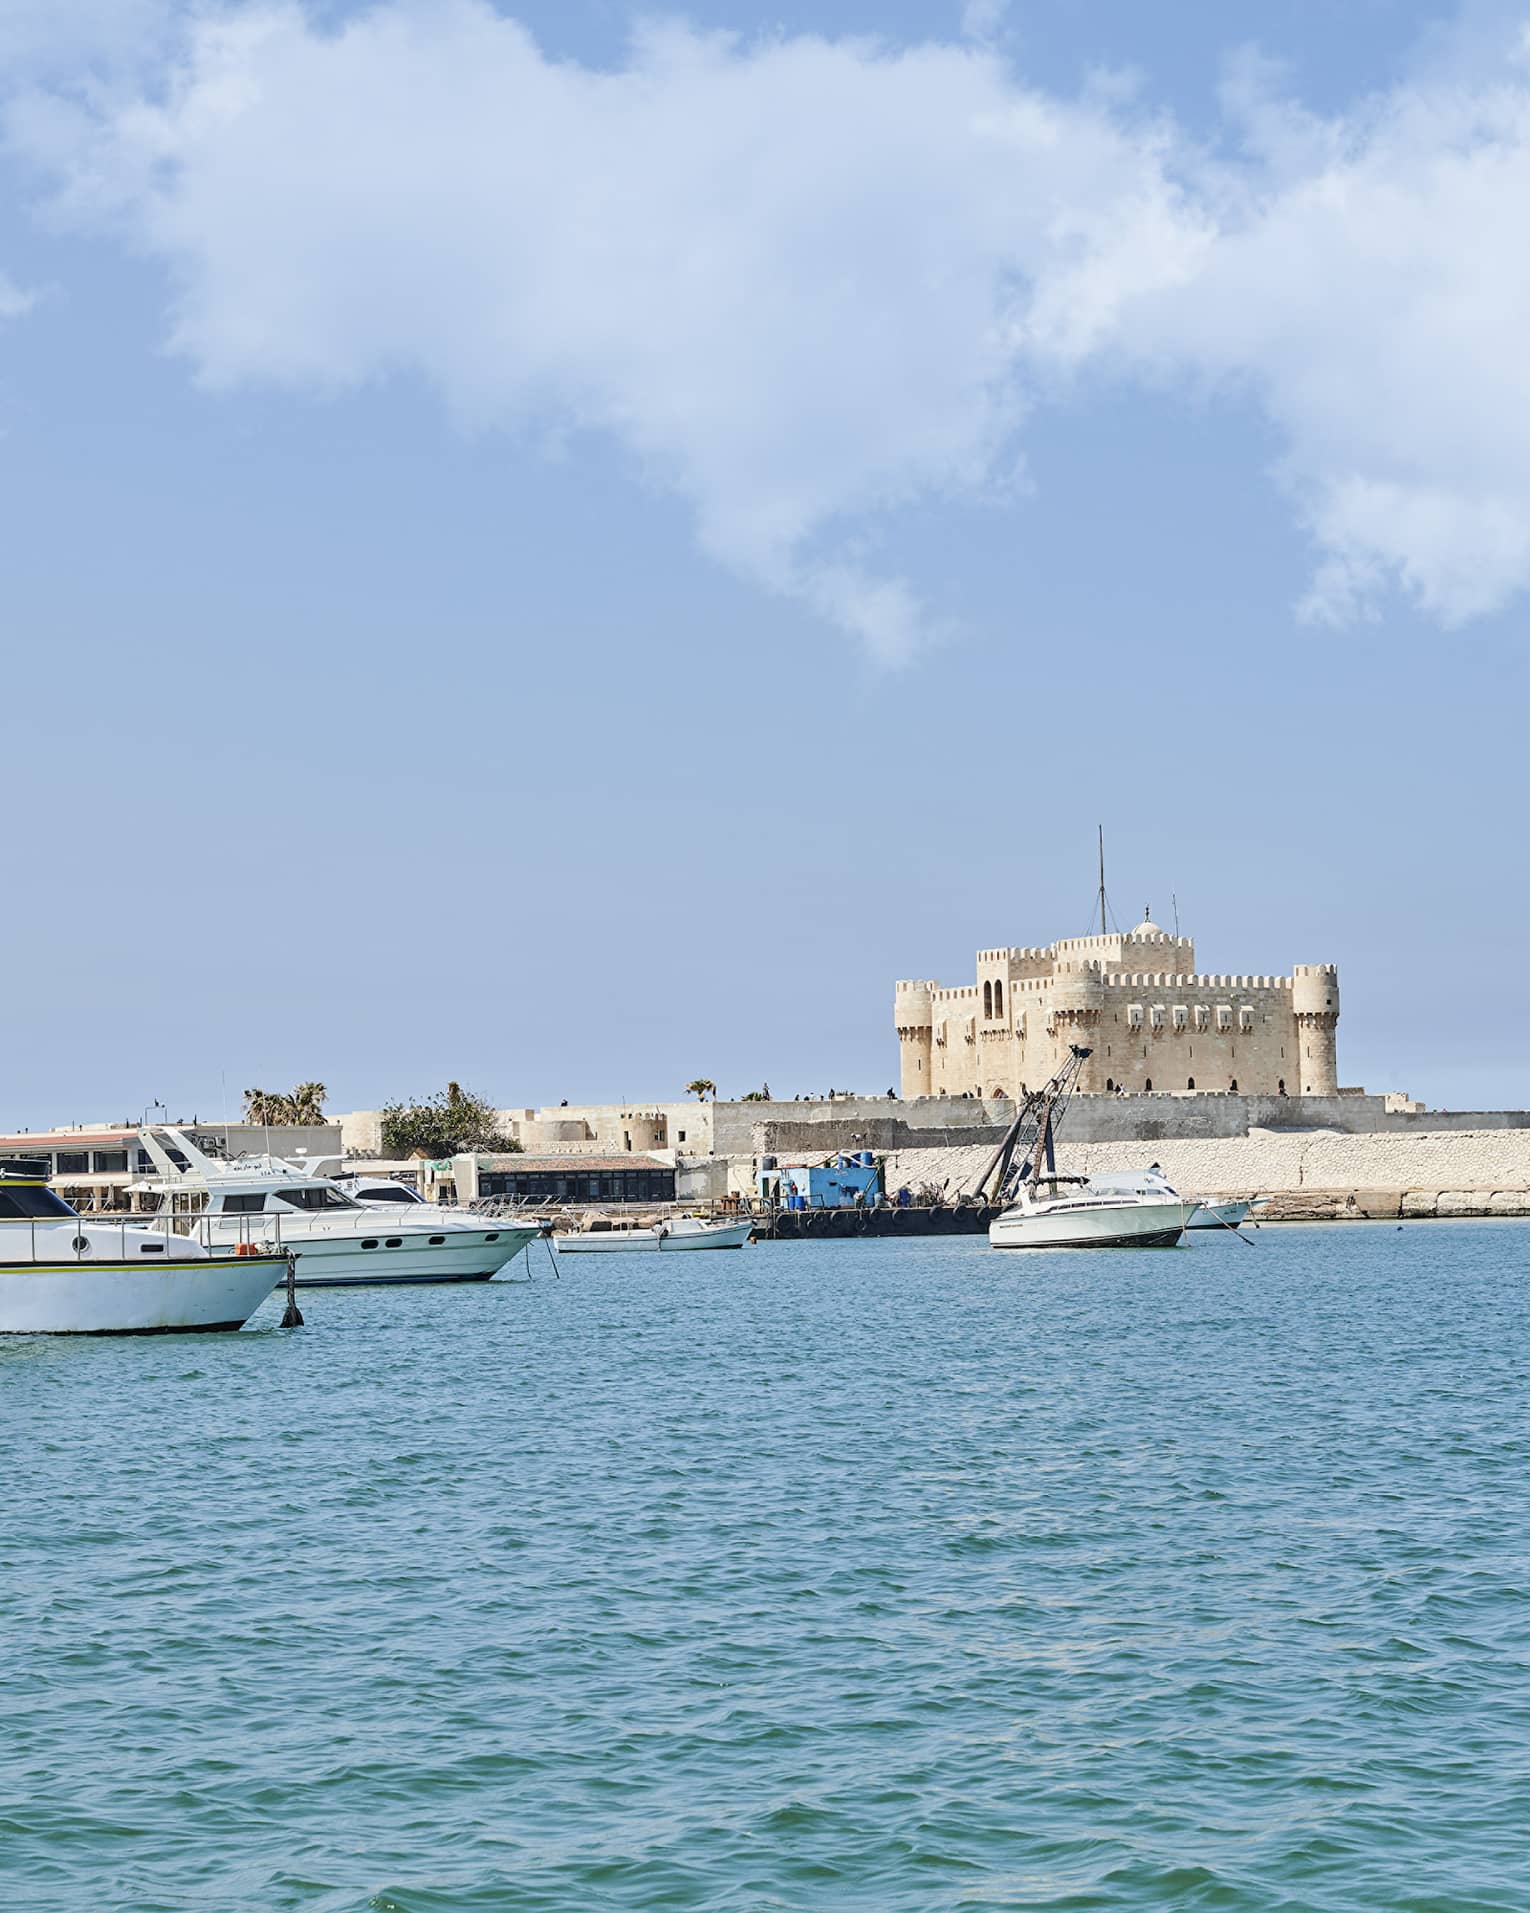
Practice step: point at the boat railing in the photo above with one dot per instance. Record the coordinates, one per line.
(94, 1230)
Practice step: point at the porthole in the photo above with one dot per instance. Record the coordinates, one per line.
(151, 1248)
(81, 1245)
(370, 1243)
(436, 1241)
(492, 1238)
(393, 1242)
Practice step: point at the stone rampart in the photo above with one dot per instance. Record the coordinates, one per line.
(887, 1123)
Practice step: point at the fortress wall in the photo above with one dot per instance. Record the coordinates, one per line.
(1169, 1058)
(748, 1129)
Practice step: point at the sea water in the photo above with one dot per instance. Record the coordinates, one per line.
(882, 1575)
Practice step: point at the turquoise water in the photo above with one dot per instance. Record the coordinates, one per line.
(871, 1575)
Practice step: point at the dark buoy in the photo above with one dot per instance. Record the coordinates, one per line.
(293, 1316)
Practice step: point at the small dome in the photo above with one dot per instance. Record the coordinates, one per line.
(1147, 927)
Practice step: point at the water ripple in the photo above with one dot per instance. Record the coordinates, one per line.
(865, 1575)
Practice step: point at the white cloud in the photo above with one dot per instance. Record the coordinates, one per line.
(804, 282)
(13, 301)
(1368, 285)
(786, 276)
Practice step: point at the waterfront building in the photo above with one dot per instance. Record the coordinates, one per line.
(97, 1165)
(1137, 1002)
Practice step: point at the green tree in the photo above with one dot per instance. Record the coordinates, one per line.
(702, 1088)
(269, 1107)
(453, 1120)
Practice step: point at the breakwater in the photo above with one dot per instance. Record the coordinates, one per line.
(1311, 1175)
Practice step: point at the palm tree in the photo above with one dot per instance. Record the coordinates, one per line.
(702, 1088)
(306, 1104)
(270, 1109)
(262, 1106)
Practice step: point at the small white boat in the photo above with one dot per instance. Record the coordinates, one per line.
(61, 1274)
(683, 1232)
(1221, 1215)
(267, 1204)
(1137, 1211)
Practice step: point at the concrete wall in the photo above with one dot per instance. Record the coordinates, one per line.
(1484, 1160)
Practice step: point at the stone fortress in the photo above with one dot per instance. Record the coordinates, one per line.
(1134, 1000)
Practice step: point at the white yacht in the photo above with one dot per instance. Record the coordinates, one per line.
(1041, 1209)
(1135, 1211)
(64, 1274)
(262, 1202)
(681, 1232)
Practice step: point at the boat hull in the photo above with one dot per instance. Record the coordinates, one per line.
(134, 1298)
(1219, 1215)
(731, 1235)
(1148, 1225)
(418, 1256)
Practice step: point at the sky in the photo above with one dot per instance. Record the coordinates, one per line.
(566, 547)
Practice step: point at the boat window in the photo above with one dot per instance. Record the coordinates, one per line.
(395, 1192)
(393, 1242)
(316, 1195)
(22, 1202)
(370, 1243)
(436, 1241)
(243, 1205)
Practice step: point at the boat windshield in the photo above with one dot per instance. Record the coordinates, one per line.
(316, 1195)
(30, 1202)
(390, 1192)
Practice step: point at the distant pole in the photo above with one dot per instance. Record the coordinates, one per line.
(1104, 928)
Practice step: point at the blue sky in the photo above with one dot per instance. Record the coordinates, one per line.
(568, 553)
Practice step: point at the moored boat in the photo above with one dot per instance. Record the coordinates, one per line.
(1222, 1215)
(1099, 1212)
(662, 1238)
(265, 1203)
(64, 1274)
(1044, 1209)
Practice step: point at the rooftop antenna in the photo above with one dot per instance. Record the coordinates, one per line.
(1174, 899)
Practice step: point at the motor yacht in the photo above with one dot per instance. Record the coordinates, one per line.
(1043, 1209)
(680, 1232)
(65, 1274)
(263, 1202)
(1140, 1211)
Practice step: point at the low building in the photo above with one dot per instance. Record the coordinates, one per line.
(564, 1178)
(842, 1182)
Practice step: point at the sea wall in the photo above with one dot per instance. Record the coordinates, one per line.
(1310, 1174)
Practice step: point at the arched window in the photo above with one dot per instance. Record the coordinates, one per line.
(988, 999)
(998, 999)
(1280, 1087)
(1233, 1087)
(1190, 1084)
(1110, 1083)
(1148, 1084)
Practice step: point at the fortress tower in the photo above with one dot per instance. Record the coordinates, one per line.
(915, 1037)
(1135, 999)
(1315, 1004)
